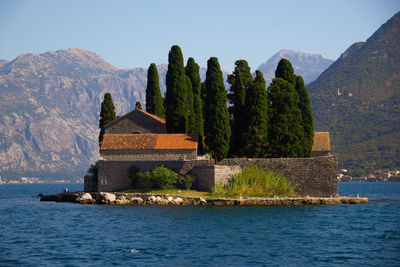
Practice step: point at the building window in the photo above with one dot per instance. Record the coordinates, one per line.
(103, 180)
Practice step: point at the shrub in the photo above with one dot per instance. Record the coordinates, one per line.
(159, 178)
(253, 181)
(163, 178)
(185, 182)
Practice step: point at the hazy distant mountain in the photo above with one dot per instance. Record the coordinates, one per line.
(50, 105)
(358, 100)
(309, 66)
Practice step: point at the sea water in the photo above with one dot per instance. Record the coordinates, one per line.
(34, 233)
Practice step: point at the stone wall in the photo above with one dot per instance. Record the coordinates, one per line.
(136, 122)
(113, 175)
(206, 177)
(143, 155)
(316, 176)
(89, 184)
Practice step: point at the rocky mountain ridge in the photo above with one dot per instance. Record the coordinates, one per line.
(50, 105)
(309, 66)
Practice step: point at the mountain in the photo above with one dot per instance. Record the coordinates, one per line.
(50, 106)
(357, 99)
(309, 66)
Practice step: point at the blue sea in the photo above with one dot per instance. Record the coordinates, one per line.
(34, 233)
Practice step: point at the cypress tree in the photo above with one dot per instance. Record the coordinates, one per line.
(256, 118)
(236, 98)
(285, 71)
(216, 125)
(107, 114)
(245, 71)
(240, 81)
(306, 115)
(138, 105)
(154, 100)
(190, 104)
(192, 71)
(285, 131)
(176, 113)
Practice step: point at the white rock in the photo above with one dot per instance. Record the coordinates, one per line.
(108, 197)
(159, 199)
(203, 201)
(170, 199)
(86, 196)
(152, 198)
(137, 200)
(178, 200)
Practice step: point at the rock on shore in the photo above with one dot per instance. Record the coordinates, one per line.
(154, 199)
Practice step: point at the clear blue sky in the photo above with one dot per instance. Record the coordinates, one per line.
(135, 33)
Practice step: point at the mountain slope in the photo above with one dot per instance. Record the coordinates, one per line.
(358, 100)
(309, 66)
(49, 108)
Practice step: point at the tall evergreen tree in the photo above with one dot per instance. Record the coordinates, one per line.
(256, 118)
(154, 100)
(176, 114)
(107, 114)
(285, 131)
(285, 71)
(216, 125)
(237, 110)
(240, 81)
(245, 71)
(190, 104)
(192, 71)
(306, 117)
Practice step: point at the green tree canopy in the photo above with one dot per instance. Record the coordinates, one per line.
(237, 100)
(285, 71)
(138, 105)
(256, 118)
(176, 114)
(190, 105)
(240, 81)
(107, 114)
(154, 100)
(307, 117)
(216, 125)
(285, 131)
(192, 71)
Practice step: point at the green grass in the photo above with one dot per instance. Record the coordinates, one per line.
(254, 182)
(180, 192)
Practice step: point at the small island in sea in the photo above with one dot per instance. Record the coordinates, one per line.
(260, 149)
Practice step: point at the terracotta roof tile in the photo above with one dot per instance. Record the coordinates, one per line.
(148, 141)
(321, 141)
(176, 141)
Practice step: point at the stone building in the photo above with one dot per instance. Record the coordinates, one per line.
(140, 139)
(322, 144)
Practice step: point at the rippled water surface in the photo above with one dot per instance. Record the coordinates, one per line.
(34, 233)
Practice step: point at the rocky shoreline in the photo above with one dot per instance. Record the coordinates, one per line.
(164, 199)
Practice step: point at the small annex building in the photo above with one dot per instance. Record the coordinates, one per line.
(140, 139)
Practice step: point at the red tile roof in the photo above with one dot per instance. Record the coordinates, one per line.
(321, 141)
(148, 141)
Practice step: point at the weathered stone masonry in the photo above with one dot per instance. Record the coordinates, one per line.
(313, 176)
(113, 175)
